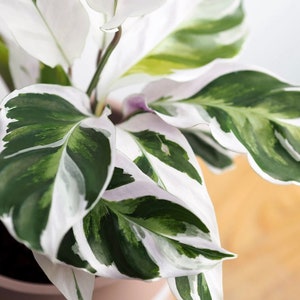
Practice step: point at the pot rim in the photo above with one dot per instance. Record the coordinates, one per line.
(27, 287)
(41, 288)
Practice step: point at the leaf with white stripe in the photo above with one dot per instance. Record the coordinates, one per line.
(56, 160)
(147, 132)
(49, 28)
(140, 230)
(247, 112)
(262, 113)
(162, 152)
(211, 31)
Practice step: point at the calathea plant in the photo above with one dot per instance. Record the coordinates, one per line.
(91, 197)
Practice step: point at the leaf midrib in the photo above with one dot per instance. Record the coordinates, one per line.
(53, 35)
(205, 101)
(147, 155)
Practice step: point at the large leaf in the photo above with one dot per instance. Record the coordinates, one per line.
(140, 230)
(45, 29)
(213, 30)
(247, 111)
(186, 37)
(56, 160)
(145, 32)
(162, 152)
(258, 109)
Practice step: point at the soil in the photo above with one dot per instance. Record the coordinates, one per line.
(17, 261)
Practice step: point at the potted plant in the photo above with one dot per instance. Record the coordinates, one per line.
(94, 196)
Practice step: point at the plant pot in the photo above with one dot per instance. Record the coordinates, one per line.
(105, 289)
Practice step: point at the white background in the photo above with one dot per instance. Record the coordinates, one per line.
(274, 37)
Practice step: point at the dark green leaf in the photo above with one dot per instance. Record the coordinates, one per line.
(113, 240)
(259, 109)
(143, 163)
(206, 151)
(48, 146)
(119, 178)
(158, 215)
(203, 289)
(183, 287)
(167, 151)
(193, 252)
(55, 75)
(68, 253)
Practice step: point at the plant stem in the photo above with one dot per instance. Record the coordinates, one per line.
(103, 61)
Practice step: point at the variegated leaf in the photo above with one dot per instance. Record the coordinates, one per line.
(206, 147)
(162, 152)
(56, 160)
(213, 30)
(151, 141)
(45, 29)
(204, 286)
(247, 112)
(140, 230)
(148, 32)
(262, 113)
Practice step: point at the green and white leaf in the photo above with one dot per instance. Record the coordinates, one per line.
(169, 160)
(56, 161)
(72, 283)
(247, 111)
(206, 147)
(45, 29)
(213, 30)
(263, 114)
(223, 26)
(204, 286)
(148, 32)
(142, 231)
